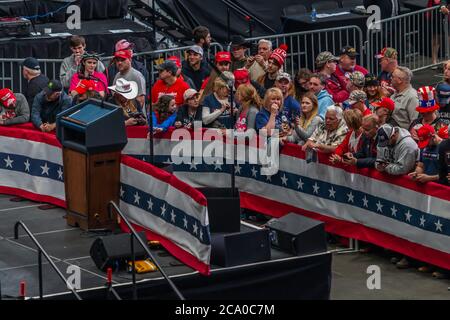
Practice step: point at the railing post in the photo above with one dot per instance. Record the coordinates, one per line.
(133, 270)
(41, 284)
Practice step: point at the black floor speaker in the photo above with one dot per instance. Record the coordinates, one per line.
(233, 249)
(113, 251)
(224, 209)
(297, 234)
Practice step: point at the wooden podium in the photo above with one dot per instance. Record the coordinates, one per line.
(93, 135)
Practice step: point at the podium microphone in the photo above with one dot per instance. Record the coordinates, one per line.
(92, 77)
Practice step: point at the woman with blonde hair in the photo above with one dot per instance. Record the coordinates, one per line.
(270, 116)
(250, 103)
(217, 106)
(308, 120)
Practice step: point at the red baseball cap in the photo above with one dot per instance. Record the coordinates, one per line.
(425, 134)
(241, 76)
(7, 97)
(385, 102)
(443, 132)
(85, 86)
(124, 54)
(223, 56)
(176, 60)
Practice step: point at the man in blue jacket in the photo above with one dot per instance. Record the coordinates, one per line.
(47, 104)
(317, 86)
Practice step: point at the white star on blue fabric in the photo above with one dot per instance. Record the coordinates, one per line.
(422, 221)
(163, 210)
(45, 169)
(27, 165)
(60, 173)
(269, 178)
(185, 222)
(366, 202)
(394, 211)
(217, 166)
(351, 197)
(193, 165)
(332, 192)
(237, 169)
(195, 231)
(438, 225)
(316, 188)
(173, 216)
(284, 180)
(379, 206)
(408, 216)
(9, 162)
(150, 204)
(201, 234)
(137, 198)
(121, 192)
(300, 184)
(254, 172)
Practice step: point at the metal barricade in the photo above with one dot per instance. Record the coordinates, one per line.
(11, 72)
(416, 36)
(11, 69)
(303, 47)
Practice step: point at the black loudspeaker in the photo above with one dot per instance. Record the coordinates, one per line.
(113, 251)
(233, 249)
(224, 209)
(297, 234)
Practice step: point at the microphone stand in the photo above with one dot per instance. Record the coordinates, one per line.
(150, 128)
(92, 77)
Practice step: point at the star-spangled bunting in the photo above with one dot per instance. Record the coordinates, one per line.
(338, 193)
(160, 209)
(33, 167)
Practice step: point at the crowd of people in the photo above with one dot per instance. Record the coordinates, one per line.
(358, 118)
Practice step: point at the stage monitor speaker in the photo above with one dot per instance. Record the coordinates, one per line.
(113, 251)
(297, 234)
(224, 209)
(233, 249)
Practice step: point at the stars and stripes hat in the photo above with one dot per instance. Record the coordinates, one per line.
(427, 99)
(7, 97)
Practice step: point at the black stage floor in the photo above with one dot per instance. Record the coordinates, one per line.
(70, 246)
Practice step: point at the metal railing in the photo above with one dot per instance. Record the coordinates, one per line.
(134, 234)
(11, 72)
(416, 36)
(11, 69)
(41, 252)
(303, 47)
